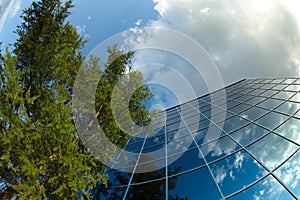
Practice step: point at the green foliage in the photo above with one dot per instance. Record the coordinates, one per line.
(41, 155)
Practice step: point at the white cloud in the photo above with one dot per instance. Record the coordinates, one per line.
(250, 38)
(238, 162)
(81, 29)
(16, 8)
(89, 17)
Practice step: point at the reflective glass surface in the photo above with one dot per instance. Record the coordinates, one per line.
(248, 150)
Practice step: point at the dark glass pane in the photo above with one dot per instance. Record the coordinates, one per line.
(272, 120)
(248, 134)
(149, 169)
(266, 189)
(134, 146)
(147, 191)
(288, 173)
(155, 151)
(272, 150)
(290, 129)
(117, 178)
(108, 194)
(155, 140)
(188, 186)
(236, 171)
(184, 161)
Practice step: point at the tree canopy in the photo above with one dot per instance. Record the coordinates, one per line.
(41, 155)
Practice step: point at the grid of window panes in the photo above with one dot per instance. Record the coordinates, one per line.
(255, 155)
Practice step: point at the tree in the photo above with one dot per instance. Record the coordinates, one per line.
(41, 155)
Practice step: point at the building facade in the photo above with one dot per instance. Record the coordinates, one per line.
(242, 145)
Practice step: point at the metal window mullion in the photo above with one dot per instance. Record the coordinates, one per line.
(206, 163)
(135, 166)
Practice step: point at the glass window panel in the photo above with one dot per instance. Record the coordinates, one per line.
(107, 194)
(290, 129)
(174, 126)
(266, 189)
(272, 150)
(147, 166)
(155, 140)
(240, 108)
(277, 81)
(218, 149)
(295, 98)
(185, 161)
(289, 174)
(135, 146)
(256, 100)
(256, 92)
(233, 124)
(236, 171)
(192, 113)
(248, 134)
(253, 113)
(179, 145)
(279, 87)
(207, 135)
(270, 103)
(268, 93)
(155, 151)
(232, 104)
(268, 86)
(173, 120)
(193, 119)
(283, 95)
(288, 108)
(294, 88)
(184, 186)
(117, 178)
(177, 133)
(221, 117)
(244, 98)
(199, 125)
(297, 81)
(289, 81)
(272, 120)
(297, 115)
(152, 190)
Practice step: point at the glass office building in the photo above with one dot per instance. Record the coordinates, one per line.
(244, 145)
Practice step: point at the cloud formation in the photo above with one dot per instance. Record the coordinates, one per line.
(8, 9)
(245, 38)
